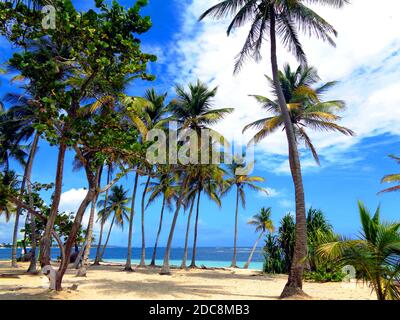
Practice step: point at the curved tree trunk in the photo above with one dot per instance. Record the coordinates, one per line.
(185, 251)
(193, 263)
(98, 250)
(32, 265)
(294, 285)
(153, 258)
(165, 268)
(246, 266)
(77, 262)
(27, 176)
(89, 235)
(128, 265)
(45, 243)
(143, 255)
(108, 238)
(91, 194)
(234, 258)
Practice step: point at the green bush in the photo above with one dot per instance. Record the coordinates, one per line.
(324, 275)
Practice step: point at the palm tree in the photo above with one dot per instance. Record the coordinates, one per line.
(283, 18)
(193, 110)
(117, 207)
(375, 255)
(166, 189)
(263, 223)
(391, 178)
(99, 244)
(17, 124)
(189, 204)
(306, 108)
(9, 181)
(146, 113)
(240, 181)
(208, 179)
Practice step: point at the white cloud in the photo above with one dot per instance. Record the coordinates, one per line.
(365, 60)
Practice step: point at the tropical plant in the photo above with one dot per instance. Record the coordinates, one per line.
(306, 107)
(392, 178)
(375, 255)
(283, 18)
(114, 207)
(166, 189)
(262, 223)
(192, 109)
(274, 261)
(241, 181)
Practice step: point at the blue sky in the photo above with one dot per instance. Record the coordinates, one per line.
(366, 61)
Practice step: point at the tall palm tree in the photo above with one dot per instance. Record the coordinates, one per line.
(166, 189)
(116, 207)
(306, 107)
(208, 180)
(192, 109)
(392, 178)
(146, 113)
(375, 255)
(17, 124)
(189, 205)
(240, 182)
(262, 223)
(99, 244)
(283, 18)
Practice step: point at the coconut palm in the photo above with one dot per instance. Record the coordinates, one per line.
(166, 189)
(116, 207)
(375, 255)
(193, 109)
(282, 18)
(8, 181)
(146, 113)
(239, 180)
(392, 178)
(262, 223)
(207, 179)
(306, 107)
(20, 119)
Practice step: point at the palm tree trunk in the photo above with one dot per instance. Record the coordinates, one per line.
(89, 234)
(294, 285)
(193, 263)
(32, 265)
(234, 258)
(143, 255)
(165, 268)
(153, 258)
(45, 243)
(108, 238)
(185, 252)
(78, 259)
(27, 176)
(246, 266)
(128, 265)
(98, 250)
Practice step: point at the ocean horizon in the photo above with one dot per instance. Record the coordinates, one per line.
(218, 257)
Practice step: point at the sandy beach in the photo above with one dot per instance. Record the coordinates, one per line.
(109, 282)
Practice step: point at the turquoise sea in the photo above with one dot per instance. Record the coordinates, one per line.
(219, 257)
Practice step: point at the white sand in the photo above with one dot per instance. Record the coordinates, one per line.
(109, 282)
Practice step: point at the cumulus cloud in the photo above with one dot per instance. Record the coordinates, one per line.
(366, 61)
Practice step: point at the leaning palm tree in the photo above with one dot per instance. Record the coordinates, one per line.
(392, 178)
(375, 255)
(263, 223)
(306, 107)
(116, 207)
(283, 18)
(240, 181)
(193, 109)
